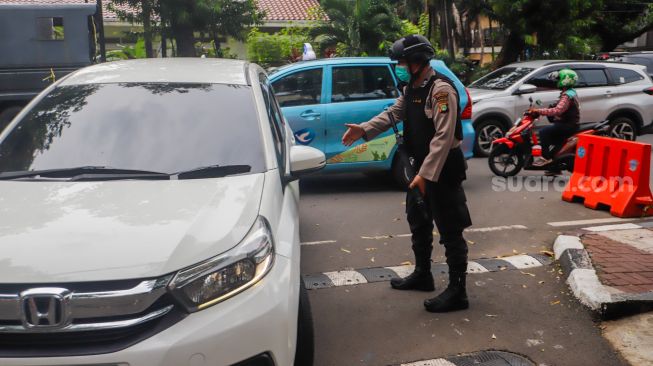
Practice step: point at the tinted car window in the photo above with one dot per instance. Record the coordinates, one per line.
(501, 79)
(542, 81)
(624, 76)
(362, 83)
(591, 77)
(300, 88)
(165, 128)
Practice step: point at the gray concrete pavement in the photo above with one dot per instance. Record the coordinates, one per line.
(361, 222)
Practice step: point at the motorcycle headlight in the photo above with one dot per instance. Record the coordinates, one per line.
(219, 278)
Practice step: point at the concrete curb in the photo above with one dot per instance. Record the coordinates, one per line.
(583, 281)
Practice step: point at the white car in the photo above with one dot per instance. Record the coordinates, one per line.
(619, 92)
(149, 216)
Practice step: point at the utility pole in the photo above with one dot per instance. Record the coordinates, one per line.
(100, 23)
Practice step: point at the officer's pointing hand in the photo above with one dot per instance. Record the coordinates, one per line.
(354, 132)
(420, 183)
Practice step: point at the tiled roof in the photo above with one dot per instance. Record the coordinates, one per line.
(280, 10)
(275, 10)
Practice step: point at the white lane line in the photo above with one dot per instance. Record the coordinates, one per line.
(597, 229)
(435, 362)
(470, 230)
(319, 242)
(402, 271)
(495, 228)
(345, 278)
(522, 261)
(588, 222)
(473, 267)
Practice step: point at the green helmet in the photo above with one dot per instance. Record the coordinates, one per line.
(566, 78)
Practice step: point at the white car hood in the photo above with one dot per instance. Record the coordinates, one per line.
(53, 232)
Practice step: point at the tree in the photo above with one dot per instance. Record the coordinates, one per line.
(216, 17)
(140, 11)
(620, 21)
(357, 27)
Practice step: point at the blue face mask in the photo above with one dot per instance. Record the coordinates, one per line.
(402, 73)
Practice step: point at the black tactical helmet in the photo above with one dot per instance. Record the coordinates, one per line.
(413, 48)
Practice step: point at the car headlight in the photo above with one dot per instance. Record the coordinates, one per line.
(219, 278)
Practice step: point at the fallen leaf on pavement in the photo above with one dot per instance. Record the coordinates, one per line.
(528, 274)
(406, 263)
(491, 315)
(494, 337)
(345, 250)
(524, 286)
(547, 253)
(396, 219)
(514, 251)
(471, 242)
(370, 249)
(541, 282)
(555, 302)
(372, 260)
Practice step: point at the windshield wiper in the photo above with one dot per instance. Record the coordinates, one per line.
(89, 173)
(212, 171)
(84, 173)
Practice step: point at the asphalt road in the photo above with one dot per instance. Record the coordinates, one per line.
(355, 221)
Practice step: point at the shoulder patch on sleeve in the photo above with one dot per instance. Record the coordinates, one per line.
(442, 101)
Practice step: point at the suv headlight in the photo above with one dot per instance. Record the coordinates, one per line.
(219, 278)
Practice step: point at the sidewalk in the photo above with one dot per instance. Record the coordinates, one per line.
(610, 268)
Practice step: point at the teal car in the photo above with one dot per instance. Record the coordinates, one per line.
(318, 97)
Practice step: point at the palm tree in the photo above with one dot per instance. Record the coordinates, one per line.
(357, 27)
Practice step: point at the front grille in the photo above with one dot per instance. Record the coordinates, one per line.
(99, 321)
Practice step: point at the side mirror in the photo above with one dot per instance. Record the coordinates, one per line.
(305, 160)
(525, 89)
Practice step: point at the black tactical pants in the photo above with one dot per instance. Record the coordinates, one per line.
(447, 206)
(555, 135)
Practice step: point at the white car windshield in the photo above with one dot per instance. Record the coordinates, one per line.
(158, 127)
(501, 79)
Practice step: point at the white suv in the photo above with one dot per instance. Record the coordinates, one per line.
(149, 216)
(620, 92)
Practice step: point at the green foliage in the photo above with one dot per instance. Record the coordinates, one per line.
(128, 52)
(278, 48)
(357, 27)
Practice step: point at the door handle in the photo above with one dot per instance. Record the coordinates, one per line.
(310, 115)
(608, 93)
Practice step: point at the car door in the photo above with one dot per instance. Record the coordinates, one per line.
(593, 93)
(356, 94)
(300, 94)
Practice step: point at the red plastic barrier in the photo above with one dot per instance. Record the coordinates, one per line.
(614, 173)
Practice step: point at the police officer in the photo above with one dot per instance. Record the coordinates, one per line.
(433, 134)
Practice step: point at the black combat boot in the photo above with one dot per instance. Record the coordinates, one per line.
(420, 280)
(453, 298)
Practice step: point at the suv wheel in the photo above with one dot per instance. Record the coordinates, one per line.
(623, 128)
(486, 132)
(305, 343)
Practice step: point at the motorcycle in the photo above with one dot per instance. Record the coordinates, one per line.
(520, 146)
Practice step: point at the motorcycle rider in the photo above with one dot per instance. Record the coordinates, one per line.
(432, 134)
(565, 116)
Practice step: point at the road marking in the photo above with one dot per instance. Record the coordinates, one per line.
(345, 278)
(319, 242)
(435, 362)
(495, 228)
(357, 277)
(588, 222)
(470, 230)
(473, 267)
(597, 229)
(522, 261)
